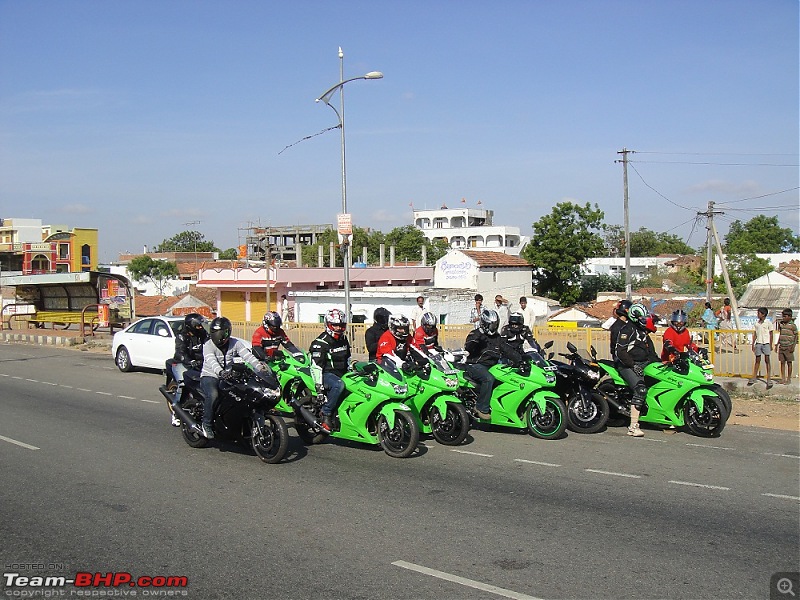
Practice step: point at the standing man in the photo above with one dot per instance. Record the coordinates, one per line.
(787, 340)
(527, 312)
(501, 308)
(284, 309)
(417, 312)
(475, 313)
(762, 341)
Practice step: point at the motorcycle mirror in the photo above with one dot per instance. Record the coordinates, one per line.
(549, 344)
(593, 351)
(549, 356)
(571, 347)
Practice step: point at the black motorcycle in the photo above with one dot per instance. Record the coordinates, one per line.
(587, 410)
(242, 413)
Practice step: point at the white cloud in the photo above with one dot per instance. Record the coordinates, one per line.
(745, 188)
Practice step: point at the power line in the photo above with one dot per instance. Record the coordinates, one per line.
(761, 196)
(717, 153)
(659, 193)
(721, 164)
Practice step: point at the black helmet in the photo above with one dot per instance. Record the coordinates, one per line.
(678, 320)
(272, 321)
(221, 331)
(193, 323)
(516, 321)
(622, 307)
(381, 315)
(399, 327)
(489, 321)
(428, 322)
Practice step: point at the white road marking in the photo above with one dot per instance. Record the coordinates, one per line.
(32, 380)
(492, 589)
(783, 455)
(3, 375)
(65, 386)
(18, 443)
(148, 401)
(700, 485)
(613, 473)
(784, 496)
(49, 383)
(16, 377)
(712, 447)
(83, 390)
(104, 393)
(127, 397)
(536, 462)
(647, 439)
(472, 453)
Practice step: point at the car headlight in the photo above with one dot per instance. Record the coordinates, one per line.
(451, 382)
(400, 390)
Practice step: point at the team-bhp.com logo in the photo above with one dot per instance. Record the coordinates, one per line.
(88, 584)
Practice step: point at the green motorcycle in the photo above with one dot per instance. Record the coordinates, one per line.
(522, 397)
(679, 393)
(432, 384)
(371, 408)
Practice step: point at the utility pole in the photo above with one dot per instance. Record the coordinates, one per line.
(714, 236)
(196, 274)
(624, 161)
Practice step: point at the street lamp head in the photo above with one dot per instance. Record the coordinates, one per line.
(374, 75)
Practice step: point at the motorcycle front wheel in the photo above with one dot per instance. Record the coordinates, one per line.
(710, 421)
(453, 429)
(551, 423)
(401, 440)
(590, 418)
(270, 442)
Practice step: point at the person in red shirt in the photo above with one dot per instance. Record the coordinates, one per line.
(677, 335)
(268, 338)
(426, 337)
(396, 340)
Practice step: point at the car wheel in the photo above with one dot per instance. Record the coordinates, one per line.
(123, 360)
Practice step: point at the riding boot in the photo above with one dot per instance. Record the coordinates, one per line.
(327, 423)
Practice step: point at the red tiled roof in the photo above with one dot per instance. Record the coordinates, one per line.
(149, 306)
(495, 259)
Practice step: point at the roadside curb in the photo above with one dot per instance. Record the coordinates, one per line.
(38, 339)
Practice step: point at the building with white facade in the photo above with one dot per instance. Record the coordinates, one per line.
(469, 229)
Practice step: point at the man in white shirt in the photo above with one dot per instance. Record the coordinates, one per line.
(501, 306)
(527, 312)
(417, 312)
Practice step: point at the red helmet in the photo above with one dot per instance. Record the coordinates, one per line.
(335, 323)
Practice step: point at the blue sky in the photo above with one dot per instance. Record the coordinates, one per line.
(137, 117)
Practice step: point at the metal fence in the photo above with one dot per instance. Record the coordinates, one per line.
(728, 349)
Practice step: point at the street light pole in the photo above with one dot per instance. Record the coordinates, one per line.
(346, 238)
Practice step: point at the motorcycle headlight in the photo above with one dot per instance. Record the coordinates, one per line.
(400, 390)
(550, 378)
(593, 375)
(451, 382)
(708, 376)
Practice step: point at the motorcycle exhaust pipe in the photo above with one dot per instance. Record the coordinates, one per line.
(615, 403)
(186, 417)
(306, 414)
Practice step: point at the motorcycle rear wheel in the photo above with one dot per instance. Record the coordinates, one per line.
(708, 423)
(271, 442)
(401, 440)
(453, 429)
(589, 419)
(192, 437)
(547, 425)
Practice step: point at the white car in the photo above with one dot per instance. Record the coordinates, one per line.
(147, 343)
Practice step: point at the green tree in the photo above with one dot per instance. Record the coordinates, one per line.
(760, 234)
(742, 269)
(186, 241)
(229, 254)
(408, 242)
(591, 285)
(560, 244)
(159, 272)
(644, 242)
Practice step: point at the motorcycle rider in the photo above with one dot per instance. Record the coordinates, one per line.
(633, 352)
(426, 337)
(485, 348)
(621, 314)
(188, 354)
(677, 337)
(269, 336)
(218, 352)
(331, 352)
(516, 333)
(376, 330)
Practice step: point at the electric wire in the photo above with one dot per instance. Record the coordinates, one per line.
(659, 193)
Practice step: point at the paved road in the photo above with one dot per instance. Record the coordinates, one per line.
(95, 479)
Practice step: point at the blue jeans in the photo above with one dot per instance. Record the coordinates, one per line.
(334, 386)
(178, 369)
(485, 381)
(210, 388)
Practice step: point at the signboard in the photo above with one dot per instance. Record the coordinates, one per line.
(344, 224)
